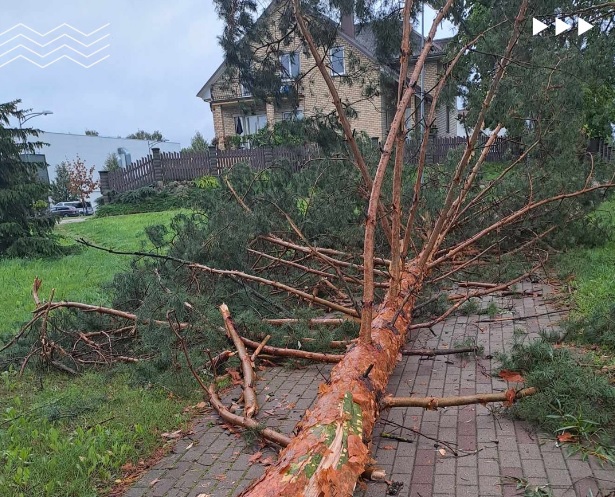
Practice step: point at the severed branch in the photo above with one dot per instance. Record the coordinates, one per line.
(249, 395)
(310, 322)
(228, 273)
(259, 348)
(478, 293)
(435, 352)
(293, 353)
(433, 403)
(223, 412)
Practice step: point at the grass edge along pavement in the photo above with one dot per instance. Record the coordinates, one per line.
(575, 370)
(76, 436)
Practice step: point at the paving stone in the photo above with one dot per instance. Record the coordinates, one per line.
(519, 453)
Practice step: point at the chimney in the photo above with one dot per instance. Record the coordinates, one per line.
(348, 24)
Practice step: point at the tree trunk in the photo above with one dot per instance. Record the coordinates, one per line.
(331, 448)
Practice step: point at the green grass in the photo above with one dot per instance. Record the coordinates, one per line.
(70, 436)
(593, 269)
(74, 277)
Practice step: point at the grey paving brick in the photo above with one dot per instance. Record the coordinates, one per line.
(519, 452)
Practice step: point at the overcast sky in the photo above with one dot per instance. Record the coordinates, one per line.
(161, 53)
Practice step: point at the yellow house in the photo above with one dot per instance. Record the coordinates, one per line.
(363, 83)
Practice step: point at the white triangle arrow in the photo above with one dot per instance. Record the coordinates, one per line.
(561, 26)
(538, 26)
(584, 26)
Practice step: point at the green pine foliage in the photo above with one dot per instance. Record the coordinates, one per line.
(25, 225)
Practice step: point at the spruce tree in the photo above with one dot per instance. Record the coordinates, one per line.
(25, 225)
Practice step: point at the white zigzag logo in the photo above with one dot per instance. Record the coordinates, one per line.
(42, 45)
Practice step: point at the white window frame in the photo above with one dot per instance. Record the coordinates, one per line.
(245, 92)
(292, 61)
(293, 115)
(252, 124)
(333, 53)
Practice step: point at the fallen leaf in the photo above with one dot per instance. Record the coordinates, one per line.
(388, 447)
(235, 376)
(566, 437)
(220, 477)
(255, 457)
(512, 376)
(268, 461)
(510, 397)
(172, 435)
(201, 405)
(203, 495)
(442, 452)
(190, 446)
(432, 405)
(153, 482)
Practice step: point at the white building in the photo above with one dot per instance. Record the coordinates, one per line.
(94, 150)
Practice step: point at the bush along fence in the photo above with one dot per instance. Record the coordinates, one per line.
(163, 167)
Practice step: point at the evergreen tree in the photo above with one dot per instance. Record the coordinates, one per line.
(197, 144)
(144, 135)
(25, 227)
(60, 191)
(112, 163)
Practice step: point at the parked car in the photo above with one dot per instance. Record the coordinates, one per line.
(84, 210)
(64, 211)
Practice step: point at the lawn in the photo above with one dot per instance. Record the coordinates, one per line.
(71, 436)
(74, 277)
(592, 269)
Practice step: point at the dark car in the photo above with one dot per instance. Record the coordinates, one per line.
(64, 211)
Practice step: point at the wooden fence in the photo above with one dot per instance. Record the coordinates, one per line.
(173, 166)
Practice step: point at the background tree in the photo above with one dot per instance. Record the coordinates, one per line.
(60, 187)
(112, 163)
(144, 135)
(197, 144)
(81, 179)
(25, 229)
(91, 132)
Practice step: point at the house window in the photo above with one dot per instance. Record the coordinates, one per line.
(290, 65)
(295, 115)
(245, 91)
(336, 56)
(248, 125)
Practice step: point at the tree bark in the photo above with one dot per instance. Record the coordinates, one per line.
(249, 395)
(434, 403)
(331, 448)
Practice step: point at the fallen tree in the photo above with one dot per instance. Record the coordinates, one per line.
(299, 256)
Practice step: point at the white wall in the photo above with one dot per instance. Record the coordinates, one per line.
(93, 150)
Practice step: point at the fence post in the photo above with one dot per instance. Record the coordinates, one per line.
(213, 160)
(268, 156)
(105, 188)
(104, 182)
(157, 165)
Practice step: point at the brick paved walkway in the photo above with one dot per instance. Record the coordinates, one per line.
(215, 463)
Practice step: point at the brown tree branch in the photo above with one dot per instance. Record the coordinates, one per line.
(249, 395)
(341, 113)
(433, 403)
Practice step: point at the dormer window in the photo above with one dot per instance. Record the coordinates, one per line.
(336, 57)
(245, 91)
(290, 65)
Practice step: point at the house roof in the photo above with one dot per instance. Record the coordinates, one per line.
(364, 41)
